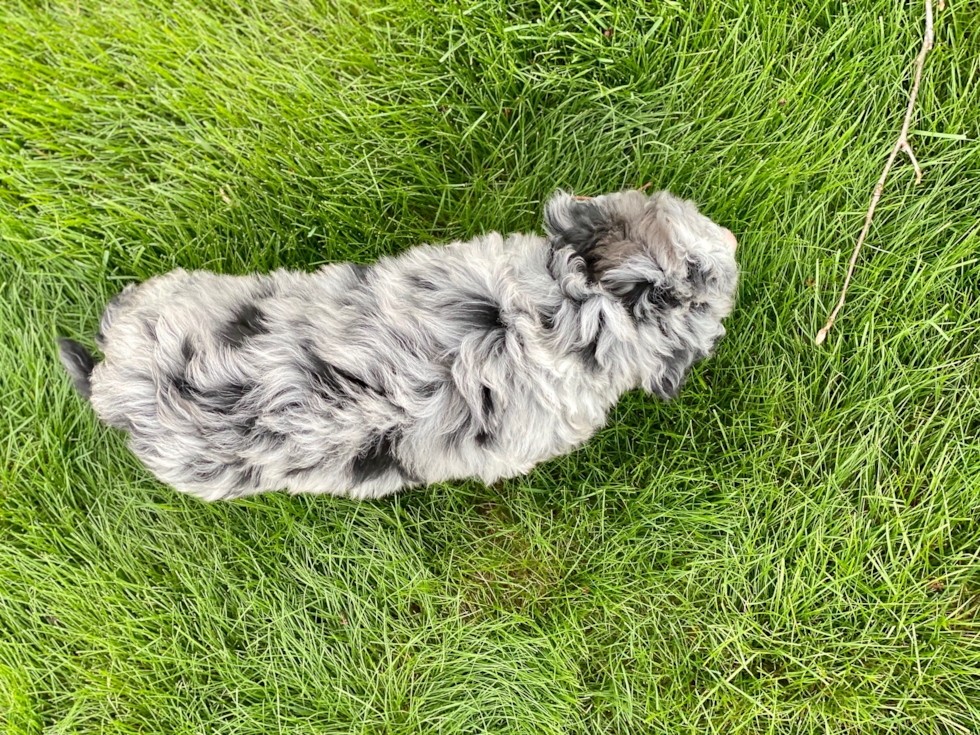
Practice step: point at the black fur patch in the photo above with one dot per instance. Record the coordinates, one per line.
(696, 274)
(589, 353)
(184, 389)
(246, 426)
(484, 315)
(645, 299)
(463, 426)
(377, 459)
(483, 417)
(179, 379)
(330, 381)
(487, 403)
(187, 349)
(548, 316)
(481, 313)
(484, 436)
(249, 477)
(423, 283)
(589, 227)
(361, 271)
(247, 322)
(586, 217)
(223, 400)
(429, 390)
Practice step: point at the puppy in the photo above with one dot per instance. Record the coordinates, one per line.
(474, 359)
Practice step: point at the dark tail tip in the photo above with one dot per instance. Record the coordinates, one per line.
(79, 364)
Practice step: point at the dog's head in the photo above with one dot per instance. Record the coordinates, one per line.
(671, 268)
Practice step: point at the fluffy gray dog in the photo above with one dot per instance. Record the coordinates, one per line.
(474, 359)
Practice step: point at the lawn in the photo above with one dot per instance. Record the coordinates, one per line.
(792, 546)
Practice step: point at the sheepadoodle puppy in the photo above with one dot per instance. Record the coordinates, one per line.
(473, 359)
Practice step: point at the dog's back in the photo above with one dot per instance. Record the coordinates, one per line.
(358, 380)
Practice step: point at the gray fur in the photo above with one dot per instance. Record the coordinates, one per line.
(474, 359)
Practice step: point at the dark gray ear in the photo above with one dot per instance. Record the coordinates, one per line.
(667, 382)
(645, 296)
(79, 364)
(579, 224)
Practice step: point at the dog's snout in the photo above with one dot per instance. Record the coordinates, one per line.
(730, 236)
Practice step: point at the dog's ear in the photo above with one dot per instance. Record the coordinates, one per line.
(579, 224)
(643, 289)
(668, 379)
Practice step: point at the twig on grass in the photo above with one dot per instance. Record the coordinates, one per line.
(902, 144)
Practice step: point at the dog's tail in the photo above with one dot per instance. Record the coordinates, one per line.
(79, 364)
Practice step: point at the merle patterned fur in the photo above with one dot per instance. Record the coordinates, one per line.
(474, 359)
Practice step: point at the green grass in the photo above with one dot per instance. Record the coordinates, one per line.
(792, 546)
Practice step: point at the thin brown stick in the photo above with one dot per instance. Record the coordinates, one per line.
(902, 144)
